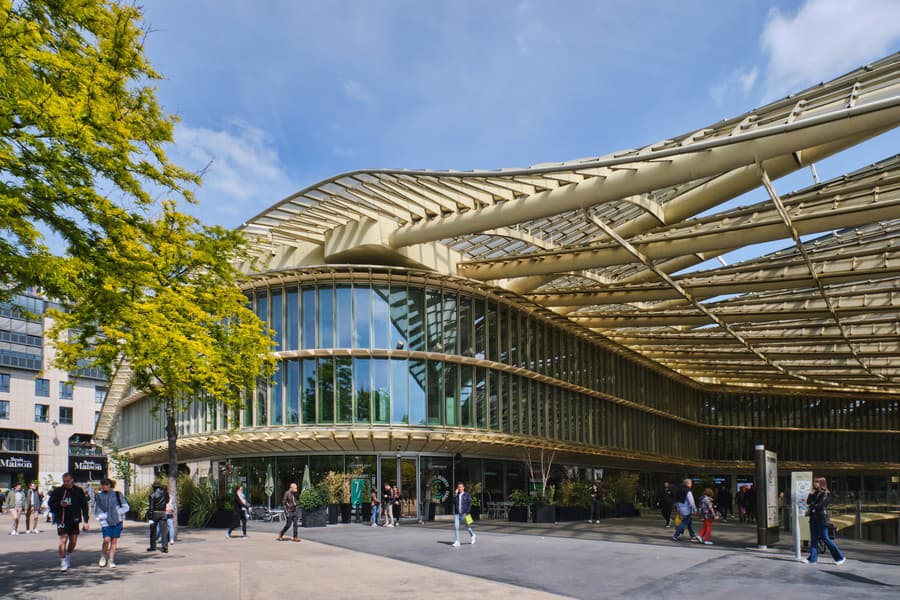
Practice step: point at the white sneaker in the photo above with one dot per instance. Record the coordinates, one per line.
(36, 530)
(804, 560)
(112, 565)
(840, 562)
(708, 543)
(473, 539)
(102, 561)
(13, 532)
(64, 564)
(456, 544)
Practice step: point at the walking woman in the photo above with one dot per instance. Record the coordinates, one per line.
(398, 504)
(241, 508)
(595, 504)
(819, 523)
(708, 514)
(387, 505)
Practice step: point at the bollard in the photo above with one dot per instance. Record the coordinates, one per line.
(858, 527)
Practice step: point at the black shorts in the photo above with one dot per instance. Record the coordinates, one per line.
(67, 528)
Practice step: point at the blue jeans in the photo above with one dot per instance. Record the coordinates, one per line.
(456, 519)
(374, 514)
(820, 530)
(171, 531)
(686, 521)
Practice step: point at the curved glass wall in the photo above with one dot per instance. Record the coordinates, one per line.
(370, 353)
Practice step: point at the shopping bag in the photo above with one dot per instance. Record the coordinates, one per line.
(468, 519)
(677, 519)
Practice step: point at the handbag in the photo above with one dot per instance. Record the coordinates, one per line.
(677, 519)
(468, 518)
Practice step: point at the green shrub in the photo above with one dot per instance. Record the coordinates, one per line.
(139, 501)
(334, 485)
(187, 492)
(203, 505)
(574, 493)
(520, 498)
(619, 488)
(313, 499)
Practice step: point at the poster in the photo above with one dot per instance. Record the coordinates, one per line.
(801, 487)
(771, 489)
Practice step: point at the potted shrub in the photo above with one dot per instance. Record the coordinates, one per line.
(620, 489)
(518, 511)
(224, 516)
(314, 502)
(334, 488)
(545, 507)
(476, 501)
(138, 501)
(203, 506)
(574, 501)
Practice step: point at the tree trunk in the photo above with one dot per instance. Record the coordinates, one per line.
(172, 438)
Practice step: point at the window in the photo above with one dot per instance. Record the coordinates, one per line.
(4, 409)
(100, 394)
(4, 382)
(96, 416)
(65, 415)
(65, 390)
(42, 388)
(41, 413)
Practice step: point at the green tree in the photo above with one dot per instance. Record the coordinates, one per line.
(82, 136)
(167, 309)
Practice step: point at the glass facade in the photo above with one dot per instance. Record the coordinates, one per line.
(368, 349)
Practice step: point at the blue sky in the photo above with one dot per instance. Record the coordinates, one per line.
(279, 95)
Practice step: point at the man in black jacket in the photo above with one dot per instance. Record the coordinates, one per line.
(665, 500)
(462, 506)
(291, 515)
(156, 514)
(723, 502)
(69, 505)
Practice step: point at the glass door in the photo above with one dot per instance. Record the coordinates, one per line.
(408, 483)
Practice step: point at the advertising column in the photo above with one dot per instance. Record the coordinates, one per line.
(801, 487)
(766, 497)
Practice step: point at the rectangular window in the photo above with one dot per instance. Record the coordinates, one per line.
(65, 390)
(362, 385)
(262, 401)
(416, 319)
(344, 388)
(41, 413)
(276, 396)
(66, 415)
(96, 416)
(100, 394)
(278, 319)
(381, 386)
(42, 388)
(293, 392)
(308, 318)
(4, 409)
(344, 317)
(4, 382)
(326, 318)
(451, 394)
(398, 317)
(362, 318)
(399, 392)
(381, 317)
(465, 395)
(308, 390)
(292, 314)
(435, 392)
(325, 376)
(417, 392)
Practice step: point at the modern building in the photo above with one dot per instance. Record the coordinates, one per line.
(434, 326)
(47, 416)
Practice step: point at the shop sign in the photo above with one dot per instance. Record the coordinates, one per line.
(94, 467)
(17, 462)
(440, 489)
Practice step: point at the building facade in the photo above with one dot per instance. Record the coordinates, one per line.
(434, 326)
(47, 416)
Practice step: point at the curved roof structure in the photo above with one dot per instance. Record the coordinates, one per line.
(606, 241)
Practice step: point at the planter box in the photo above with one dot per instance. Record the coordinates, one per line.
(544, 513)
(223, 519)
(334, 511)
(518, 514)
(315, 518)
(476, 513)
(572, 513)
(346, 511)
(432, 507)
(626, 509)
(366, 513)
(183, 517)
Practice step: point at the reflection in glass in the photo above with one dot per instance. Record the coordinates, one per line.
(293, 316)
(344, 316)
(435, 392)
(381, 384)
(451, 397)
(433, 318)
(277, 396)
(449, 337)
(398, 317)
(465, 395)
(480, 398)
(494, 400)
(381, 317)
(277, 323)
(465, 326)
(262, 391)
(362, 379)
(362, 317)
(399, 392)
(416, 316)
(293, 391)
(417, 392)
(344, 388)
(308, 382)
(325, 373)
(326, 318)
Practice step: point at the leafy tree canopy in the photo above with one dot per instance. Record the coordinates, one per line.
(81, 134)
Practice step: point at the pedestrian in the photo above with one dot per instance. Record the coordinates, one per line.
(387, 505)
(156, 515)
(289, 504)
(241, 510)
(110, 507)
(33, 502)
(375, 502)
(819, 523)
(708, 514)
(595, 503)
(46, 507)
(665, 500)
(723, 502)
(739, 502)
(15, 504)
(750, 501)
(69, 505)
(398, 501)
(684, 503)
(462, 506)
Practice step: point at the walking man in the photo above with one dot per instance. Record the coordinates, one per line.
(15, 503)
(462, 506)
(664, 502)
(156, 514)
(69, 505)
(291, 515)
(109, 506)
(375, 502)
(684, 502)
(32, 508)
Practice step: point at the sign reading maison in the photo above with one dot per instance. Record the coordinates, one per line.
(13, 462)
(87, 468)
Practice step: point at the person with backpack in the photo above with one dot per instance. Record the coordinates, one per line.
(156, 515)
(110, 507)
(684, 503)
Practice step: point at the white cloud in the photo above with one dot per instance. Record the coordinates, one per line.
(824, 39)
(245, 172)
(740, 79)
(355, 91)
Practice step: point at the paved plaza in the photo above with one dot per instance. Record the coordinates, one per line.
(616, 559)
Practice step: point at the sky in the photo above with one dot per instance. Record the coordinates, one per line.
(277, 95)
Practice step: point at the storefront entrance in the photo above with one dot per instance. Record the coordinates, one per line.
(404, 472)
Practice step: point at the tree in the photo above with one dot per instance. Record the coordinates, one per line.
(79, 126)
(123, 468)
(167, 306)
